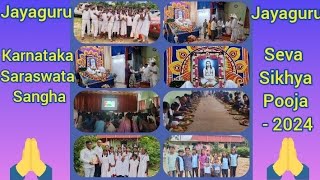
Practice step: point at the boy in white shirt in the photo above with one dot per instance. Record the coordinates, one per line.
(88, 157)
(123, 24)
(111, 20)
(95, 21)
(146, 25)
(85, 21)
(100, 19)
(104, 27)
(220, 25)
(116, 24)
(135, 23)
(129, 24)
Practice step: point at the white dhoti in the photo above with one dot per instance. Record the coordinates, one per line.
(133, 30)
(138, 29)
(123, 30)
(145, 28)
(208, 82)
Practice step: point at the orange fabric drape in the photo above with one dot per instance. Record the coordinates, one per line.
(92, 102)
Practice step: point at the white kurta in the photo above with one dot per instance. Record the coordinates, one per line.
(123, 24)
(120, 166)
(144, 159)
(139, 25)
(146, 25)
(154, 76)
(116, 24)
(228, 27)
(145, 75)
(234, 28)
(85, 22)
(110, 26)
(126, 163)
(100, 23)
(133, 172)
(95, 22)
(104, 27)
(135, 25)
(105, 166)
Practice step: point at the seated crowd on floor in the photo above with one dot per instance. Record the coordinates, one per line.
(99, 122)
(180, 114)
(237, 104)
(180, 111)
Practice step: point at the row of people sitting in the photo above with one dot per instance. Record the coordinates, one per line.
(237, 104)
(182, 107)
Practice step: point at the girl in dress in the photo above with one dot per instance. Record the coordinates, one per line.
(128, 125)
(143, 164)
(133, 167)
(119, 163)
(112, 162)
(127, 155)
(105, 164)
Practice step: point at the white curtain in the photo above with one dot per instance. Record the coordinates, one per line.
(202, 15)
(118, 67)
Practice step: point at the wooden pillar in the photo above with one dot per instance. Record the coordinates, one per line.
(126, 55)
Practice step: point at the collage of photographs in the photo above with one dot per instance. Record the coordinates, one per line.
(160, 89)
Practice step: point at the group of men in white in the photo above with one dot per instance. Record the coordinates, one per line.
(106, 162)
(111, 22)
(233, 27)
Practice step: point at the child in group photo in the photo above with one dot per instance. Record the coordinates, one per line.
(109, 22)
(210, 159)
(118, 156)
